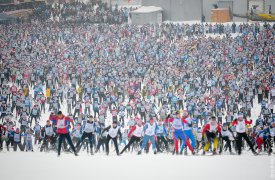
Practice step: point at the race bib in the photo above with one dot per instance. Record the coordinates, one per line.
(88, 127)
(242, 127)
(61, 123)
(113, 134)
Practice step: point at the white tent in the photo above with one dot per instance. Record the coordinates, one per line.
(146, 15)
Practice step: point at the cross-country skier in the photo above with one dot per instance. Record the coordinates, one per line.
(88, 128)
(63, 125)
(149, 134)
(113, 134)
(240, 124)
(211, 131)
(135, 134)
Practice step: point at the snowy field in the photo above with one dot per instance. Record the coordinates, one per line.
(45, 166)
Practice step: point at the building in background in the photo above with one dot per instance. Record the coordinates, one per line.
(178, 10)
(192, 10)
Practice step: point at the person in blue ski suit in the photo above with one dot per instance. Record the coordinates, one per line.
(149, 134)
(187, 129)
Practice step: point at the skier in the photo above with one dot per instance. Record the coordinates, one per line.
(272, 133)
(226, 134)
(187, 120)
(37, 130)
(63, 125)
(240, 124)
(102, 138)
(17, 136)
(177, 128)
(149, 134)
(2, 135)
(76, 133)
(88, 128)
(261, 137)
(113, 133)
(135, 134)
(161, 134)
(211, 131)
(48, 135)
(35, 113)
(29, 134)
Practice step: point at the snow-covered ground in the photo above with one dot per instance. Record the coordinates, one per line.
(46, 166)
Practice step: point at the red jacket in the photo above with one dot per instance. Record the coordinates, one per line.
(207, 128)
(235, 122)
(2, 129)
(62, 124)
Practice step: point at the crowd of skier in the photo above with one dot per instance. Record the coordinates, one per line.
(173, 88)
(94, 12)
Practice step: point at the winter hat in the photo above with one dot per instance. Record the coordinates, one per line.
(240, 115)
(114, 122)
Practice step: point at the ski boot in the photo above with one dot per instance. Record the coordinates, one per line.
(255, 153)
(185, 151)
(214, 152)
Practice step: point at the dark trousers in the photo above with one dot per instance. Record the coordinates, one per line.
(115, 143)
(76, 111)
(9, 142)
(1, 142)
(46, 143)
(132, 140)
(33, 117)
(161, 139)
(84, 135)
(240, 136)
(19, 144)
(228, 143)
(101, 142)
(68, 137)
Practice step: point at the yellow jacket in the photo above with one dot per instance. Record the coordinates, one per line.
(26, 91)
(79, 90)
(48, 92)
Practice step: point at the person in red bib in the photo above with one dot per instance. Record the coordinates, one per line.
(62, 124)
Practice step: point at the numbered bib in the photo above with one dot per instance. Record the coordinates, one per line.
(88, 127)
(242, 127)
(61, 124)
